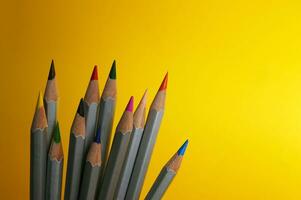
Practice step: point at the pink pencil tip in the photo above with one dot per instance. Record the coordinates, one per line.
(130, 106)
(94, 75)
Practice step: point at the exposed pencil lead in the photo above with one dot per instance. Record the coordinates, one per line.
(94, 75)
(112, 74)
(80, 109)
(130, 105)
(51, 74)
(164, 83)
(97, 136)
(182, 149)
(56, 134)
(40, 101)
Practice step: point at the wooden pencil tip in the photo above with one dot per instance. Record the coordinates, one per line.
(182, 149)
(80, 109)
(164, 83)
(97, 136)
(51, 74)
(56, 134)
(112, 74)
(94, 75)
(144, 97)
(40, 101)
(130, 105)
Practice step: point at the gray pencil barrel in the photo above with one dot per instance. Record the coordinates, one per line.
(106, 113)
(74, 167)
(54, 179)
(128, 163)
(51, 112)
(89, 183)
(38, 156)
(114, 165)
(90, 116)
(144, 154)
(161, 184)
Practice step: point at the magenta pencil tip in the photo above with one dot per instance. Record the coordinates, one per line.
(130, 106)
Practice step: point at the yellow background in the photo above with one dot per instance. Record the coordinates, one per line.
(234, 87)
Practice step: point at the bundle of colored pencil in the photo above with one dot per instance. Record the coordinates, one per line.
(94, 169)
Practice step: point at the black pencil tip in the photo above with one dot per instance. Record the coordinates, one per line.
(51, 74)
(80, 109)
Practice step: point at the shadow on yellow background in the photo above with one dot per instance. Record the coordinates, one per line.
(234, 86)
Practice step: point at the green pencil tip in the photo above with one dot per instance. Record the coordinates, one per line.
(112, 74)
(56, 134)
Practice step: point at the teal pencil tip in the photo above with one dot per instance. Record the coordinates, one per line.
(182, 149)
(112, 74)
(56, 134)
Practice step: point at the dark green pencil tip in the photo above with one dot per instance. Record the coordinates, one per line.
(112, 74)
(51, 74)
(56, 134)
(81, 106)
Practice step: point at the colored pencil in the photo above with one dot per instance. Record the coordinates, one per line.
(91, 101)
(51, 102)
(147, 143)
(166, 175)
(106, 111)
(117, 153)
(38, 152)
(91, 170)
(55, 167)
(76, 154)
(126, 171)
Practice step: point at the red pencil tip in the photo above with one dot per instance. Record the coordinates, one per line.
(130, 106)
(94, 75)
(164, 82)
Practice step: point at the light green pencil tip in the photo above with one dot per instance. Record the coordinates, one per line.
(57, 134)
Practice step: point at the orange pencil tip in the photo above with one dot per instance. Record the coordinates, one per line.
(164, 83)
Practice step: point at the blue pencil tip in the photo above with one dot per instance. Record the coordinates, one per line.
(182, 149)
(97, 137)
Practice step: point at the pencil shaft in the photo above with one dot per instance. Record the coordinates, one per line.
(38, 156)
(89, 183)
(54, 179)
(90, 116)
(114, 165)
(106, 113)
(51, 112)
(161, 184)
(74, 167)
(128, 164)
(144, 154)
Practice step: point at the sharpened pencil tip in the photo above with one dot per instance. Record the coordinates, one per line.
(97, 136)
(56, 134)
(182, 149)
(80, 109)
(51, 74)
(112, 74)
(40, 100)
(130, 106)
(94, 75)
(164, 83)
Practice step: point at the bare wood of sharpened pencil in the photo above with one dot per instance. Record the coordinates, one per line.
(50, 102)
(117, 154)
(106, 111)
(147, 143)
(38, 152)
(91, 100)
(91, 170)
(55, 167)
(126, 171)
(76, 154)
(166, 175)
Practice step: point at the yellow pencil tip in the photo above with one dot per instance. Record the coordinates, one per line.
(40, 100)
